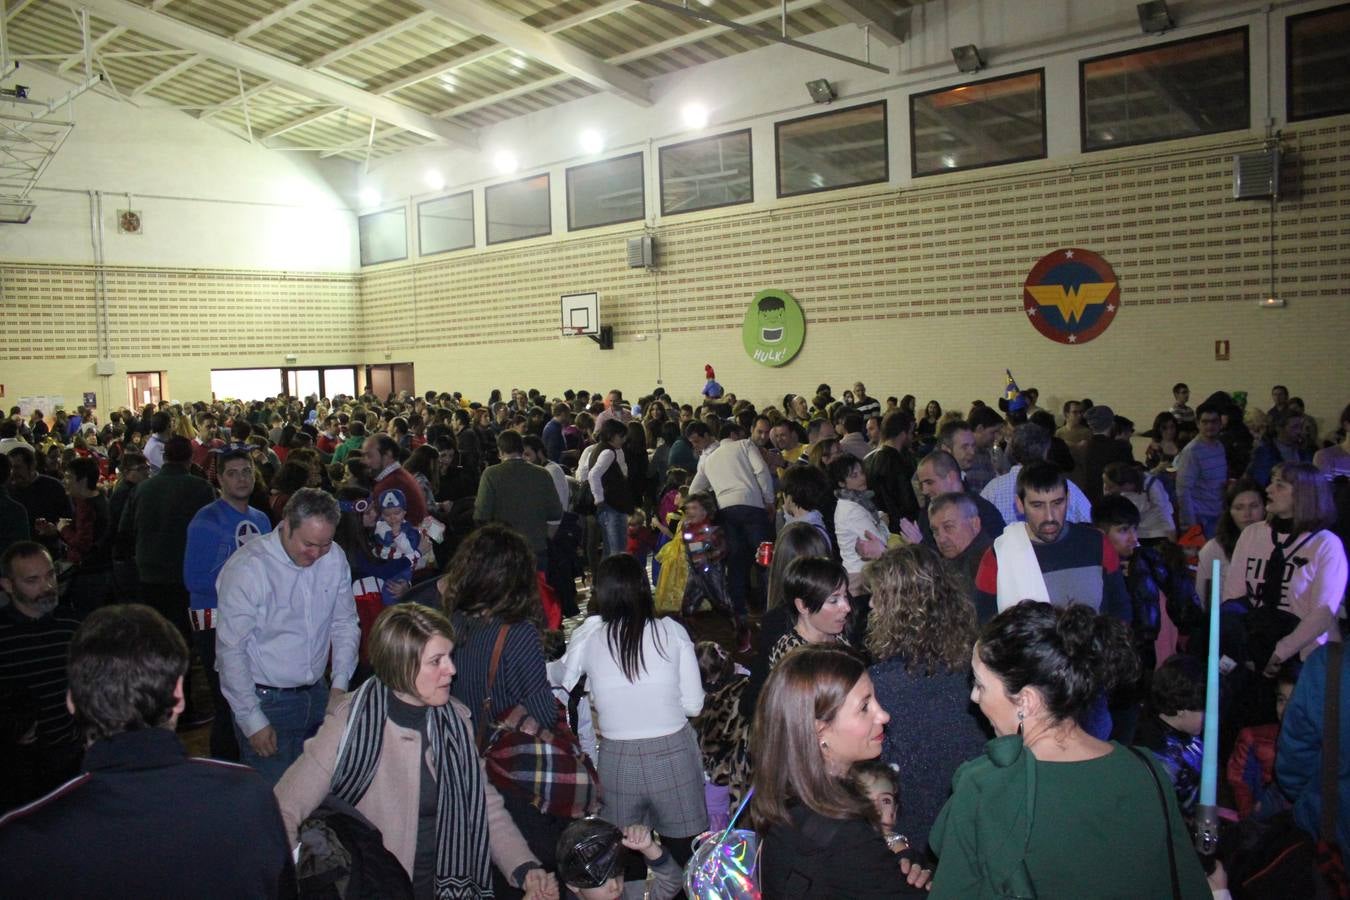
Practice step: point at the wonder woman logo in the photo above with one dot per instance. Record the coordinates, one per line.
(1071, 296)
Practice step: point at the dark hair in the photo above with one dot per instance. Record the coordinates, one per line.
(386, 445)
(510, 443)
(124, 662)
(1040, 476)
(808, 487)
(1030, 442)
(351, 534)
(895, 423)
(292, 477)
(1126, 474)
(1180, 386)
(1178, 684)
(984, 417)
(177, 449)
(853, 422)
(807, 688)
(493, 573)
(811, 579)
(875, 770)
(1069, 655)
(5, 469)
(1227, 531)
(624, 601)
(160, 422)
(19, 550)
(1114, 510)
(715, 664)
(84, 469)
(951, 429)
(839, 468)
(796, 541)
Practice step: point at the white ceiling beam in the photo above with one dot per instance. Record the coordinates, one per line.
(444, 68)
(631, 56)
(559, 54)
(111, 34)
(371, 40)
(300, 122)
(362, 143)
(883, 19)
(168, 74)
(273, 18)
(235, 55)
(17, 8)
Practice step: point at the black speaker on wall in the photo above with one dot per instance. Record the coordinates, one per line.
(606, 341)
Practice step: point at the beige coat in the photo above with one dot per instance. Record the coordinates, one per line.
(391, 801)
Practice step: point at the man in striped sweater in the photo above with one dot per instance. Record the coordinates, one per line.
(39, 747)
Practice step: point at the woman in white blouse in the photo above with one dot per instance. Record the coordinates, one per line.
(644, 685)
(855, 516)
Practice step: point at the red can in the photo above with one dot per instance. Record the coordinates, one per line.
(764, 555)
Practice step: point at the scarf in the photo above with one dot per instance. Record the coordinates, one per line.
(862, 498)
(461, 810)
(1284, 543)
(1019, 572)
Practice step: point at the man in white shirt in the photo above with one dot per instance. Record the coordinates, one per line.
(284, 603)
(743, 484)
(161, 426)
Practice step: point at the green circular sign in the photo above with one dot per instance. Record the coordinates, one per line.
(774, 328)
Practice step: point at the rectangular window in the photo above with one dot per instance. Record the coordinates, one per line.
(445, 224)
(984, 123)
(1317, 52)
(518, 210)
(605, 192)
(706, 173)
(384, 236)
(837, 149)
(1173, 90)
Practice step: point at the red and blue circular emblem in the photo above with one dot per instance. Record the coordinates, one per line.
(1071, 295)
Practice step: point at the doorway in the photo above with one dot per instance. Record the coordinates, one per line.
(145, 387)
(389, 378)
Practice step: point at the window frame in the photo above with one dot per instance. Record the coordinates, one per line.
(1244, 30)
(1045, 135)
(885, 149)
(487, 212)
(660, 171)
(360, 251)
(642, 183)
(473, 237)
(1289, 65)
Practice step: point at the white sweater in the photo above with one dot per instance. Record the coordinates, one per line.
(1314, 583)
(738, 475)
(668, 689)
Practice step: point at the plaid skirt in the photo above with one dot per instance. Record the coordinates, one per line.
(656, 782)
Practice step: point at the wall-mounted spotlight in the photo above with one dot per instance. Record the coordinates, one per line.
(821, 90)
(1155, 17)
(968, 58)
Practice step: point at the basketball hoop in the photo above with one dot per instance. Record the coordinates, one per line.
(573, 330)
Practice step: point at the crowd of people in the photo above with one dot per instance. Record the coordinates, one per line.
(949, 652)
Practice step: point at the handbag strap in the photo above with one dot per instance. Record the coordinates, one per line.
(1167, 819)
(485, 713)
(1331, 741)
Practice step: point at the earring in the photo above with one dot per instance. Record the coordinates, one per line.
(823, 745)
(1020, 716)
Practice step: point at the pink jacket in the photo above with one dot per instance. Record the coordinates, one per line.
(391, 802)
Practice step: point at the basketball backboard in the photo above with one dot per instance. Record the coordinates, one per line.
(580, 314)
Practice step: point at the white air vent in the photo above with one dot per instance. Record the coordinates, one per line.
(641, 252)
(1256, 176)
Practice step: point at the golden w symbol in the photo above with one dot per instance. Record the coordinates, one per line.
(1072, 302)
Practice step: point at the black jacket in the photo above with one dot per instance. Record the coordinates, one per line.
(889, 474)
(816, 858)
(144, 820)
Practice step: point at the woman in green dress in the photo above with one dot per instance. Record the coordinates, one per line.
(1049, 810)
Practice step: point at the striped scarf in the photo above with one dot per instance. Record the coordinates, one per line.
(461, 811)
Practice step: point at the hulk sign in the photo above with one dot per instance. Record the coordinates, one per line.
(774, 328)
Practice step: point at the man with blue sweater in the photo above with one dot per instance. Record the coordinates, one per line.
(216, 531)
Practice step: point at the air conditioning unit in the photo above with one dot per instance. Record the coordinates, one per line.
(1256, 175)
(642, 252)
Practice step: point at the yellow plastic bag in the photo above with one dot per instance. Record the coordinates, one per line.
(674, 562)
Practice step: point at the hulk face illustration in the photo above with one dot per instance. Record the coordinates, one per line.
(770, 314)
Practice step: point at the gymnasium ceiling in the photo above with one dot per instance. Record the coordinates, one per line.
(365, 79)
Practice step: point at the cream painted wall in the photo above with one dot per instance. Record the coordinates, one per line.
(207, 198)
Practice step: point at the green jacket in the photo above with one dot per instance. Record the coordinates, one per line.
(158, 515)
(521, 495)
(1017, 829)
(347, 446)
